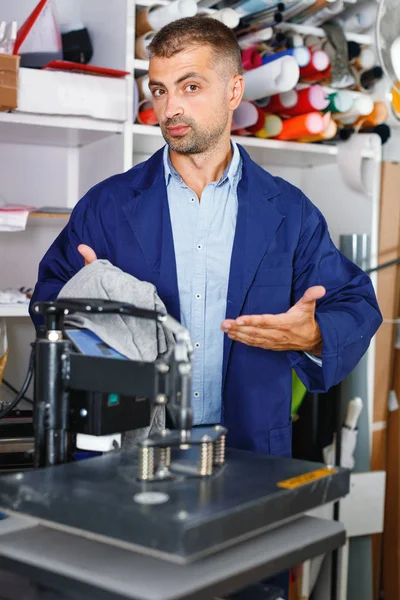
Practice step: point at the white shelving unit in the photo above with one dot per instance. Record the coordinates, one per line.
(54, 160)
(13, 310)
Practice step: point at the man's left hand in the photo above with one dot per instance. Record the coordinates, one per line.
(297, 329)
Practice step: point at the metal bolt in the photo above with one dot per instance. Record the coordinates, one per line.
(162, 368)
(83, 412)
(219, 456)
(146, 463)
(164, 457)
(206, 457)
(161, 399)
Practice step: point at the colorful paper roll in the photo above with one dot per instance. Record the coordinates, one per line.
(275, 77)
(155, 17)
(146, 114)
(246, 41)
(280, 103)
(301, 53)
(328, 133)
(244, 116)
(378, 116)
(142, 43)
(143, 87)
(272, 127)
(318, 64)
(227, 16)
(301, 126)
(309, 99)
(339, 101)
(259, 124)
(363, 105)
(251, 58)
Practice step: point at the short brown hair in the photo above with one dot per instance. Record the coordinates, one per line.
(197, 31)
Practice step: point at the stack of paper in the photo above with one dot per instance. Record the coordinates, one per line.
(13, 217)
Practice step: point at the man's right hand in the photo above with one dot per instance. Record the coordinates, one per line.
(88, 253)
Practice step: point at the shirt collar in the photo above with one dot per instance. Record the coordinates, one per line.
(232, 172)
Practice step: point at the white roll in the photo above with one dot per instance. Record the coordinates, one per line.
(245, 115)
(143, 87)
(320, 17)
(251, 39)
(275, 77)
(162, 15)
(363, 106)
(227, 16)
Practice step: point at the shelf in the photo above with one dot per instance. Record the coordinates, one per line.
(14, 310)
(141, 65)
(267, 152)
(272, 152)
(48, 130)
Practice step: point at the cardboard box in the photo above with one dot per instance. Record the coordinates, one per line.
(9, 69)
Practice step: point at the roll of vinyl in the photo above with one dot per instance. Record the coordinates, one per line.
(309, 99)
(369, 77)
(227, 16)
(301, 54)
(245, 115)
(301, 126)
(250, 7)
(319, 63)
(328, 133)
(155, 17)
(280, 103)
(264, 35)
(363, 105)
(367, 58)
(251, 58)
(259, 124)
(143, 87)
(142, 43)
(272, 127)
(146, 114)
(276, 77)
(339, 101)
(325, 14)
(362, 17)
(378, 116)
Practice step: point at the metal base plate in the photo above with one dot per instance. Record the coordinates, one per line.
(180, 520)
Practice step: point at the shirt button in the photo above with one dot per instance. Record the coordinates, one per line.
(197, 345)
(199, 246)
(198, 296)
(192, 200)
(196, 394)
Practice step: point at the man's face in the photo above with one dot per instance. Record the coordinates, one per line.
(191, 99)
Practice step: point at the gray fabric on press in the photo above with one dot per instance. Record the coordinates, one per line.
(135, 338)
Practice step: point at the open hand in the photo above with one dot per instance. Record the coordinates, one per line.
(296, 329)
(88, 253)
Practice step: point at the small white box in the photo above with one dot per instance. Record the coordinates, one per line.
(72, 94)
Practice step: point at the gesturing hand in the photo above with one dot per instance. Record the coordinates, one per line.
(296, 329)
(88, 253)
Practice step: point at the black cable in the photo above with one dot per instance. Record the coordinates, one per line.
(13, 389)
(396, 261)
(4, 413)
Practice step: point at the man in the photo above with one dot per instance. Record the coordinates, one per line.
(227, 246)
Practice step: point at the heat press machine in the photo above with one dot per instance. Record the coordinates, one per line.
(181, 515)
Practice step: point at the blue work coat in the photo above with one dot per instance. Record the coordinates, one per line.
(281, 247)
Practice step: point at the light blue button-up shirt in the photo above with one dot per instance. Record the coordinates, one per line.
(203, 235)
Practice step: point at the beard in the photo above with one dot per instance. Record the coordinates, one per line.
(197, 140)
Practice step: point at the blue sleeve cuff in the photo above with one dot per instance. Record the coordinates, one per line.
(315, 359)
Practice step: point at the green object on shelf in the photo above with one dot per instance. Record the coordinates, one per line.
(298, 393)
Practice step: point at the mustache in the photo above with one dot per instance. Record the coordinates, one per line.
(175, 122)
